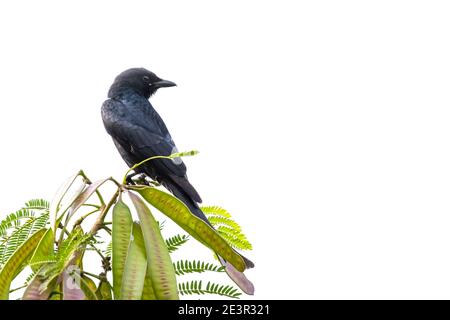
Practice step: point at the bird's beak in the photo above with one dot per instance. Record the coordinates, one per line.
(163, 84)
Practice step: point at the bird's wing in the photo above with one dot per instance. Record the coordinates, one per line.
(138, 141)
(141, 144)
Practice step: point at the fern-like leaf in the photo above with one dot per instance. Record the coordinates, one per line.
(108, 251)
(174, 243)
(235, 238)
(74, 241)
(56, 264)
(10, 243)
(196, 287)
(215, 210)
(222, 221)
(229, 229)
(14, 220)
(190, 266)
(37, 204)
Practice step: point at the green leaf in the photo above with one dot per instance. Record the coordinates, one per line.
(15, 220)
(56, 212)
(196, 287)
(16, 263)
(108, 251)
(43, 251)
(104, 290)
(229, 229)
(190, 266)
(135, 267)
(34, 289)
(235, 238)
(89, 288)
(148, 293)
(159, 263)
(37, 204)
(174, 243)
(215, 210)
(121, 235)
(57, 264)
(10, 243)
(219, 221)
(197, 228)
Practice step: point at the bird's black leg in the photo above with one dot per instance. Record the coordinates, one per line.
(153, 183)
(129, 179)
(138, 179)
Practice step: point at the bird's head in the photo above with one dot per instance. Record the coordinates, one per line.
(140, 80)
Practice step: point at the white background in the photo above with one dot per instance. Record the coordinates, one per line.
(323, 126)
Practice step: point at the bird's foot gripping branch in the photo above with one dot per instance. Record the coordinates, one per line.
(51, 240)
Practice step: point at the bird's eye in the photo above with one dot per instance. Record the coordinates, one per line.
(146, 79)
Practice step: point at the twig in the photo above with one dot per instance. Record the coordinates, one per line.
(16, 289)
(99, 222)
(81, 219)
(174, 155)
(93, 275)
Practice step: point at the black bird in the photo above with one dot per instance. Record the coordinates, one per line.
(139, 133)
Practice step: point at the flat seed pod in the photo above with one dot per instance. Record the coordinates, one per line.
(104, 290)
(16, 262)
(121, 234)
(135, 267)
(34, 291)
(71, 283)
(159, 264)
(89, 288)
(180, 214)
(148, 293)
(57, 207)
(84, 196)
(43, 250)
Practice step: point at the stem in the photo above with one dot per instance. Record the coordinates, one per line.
(124, 181)
(98, 251)
(18, 288)
(79, 221)
(116, 182)
(99, 195)
(92, 275)
(97, 225)
(99, 222)
(82, 174)
(173, 155)
(91, 205)
(100, 198)
(106, 229)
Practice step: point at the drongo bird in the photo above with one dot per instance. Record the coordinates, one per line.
(139, 133)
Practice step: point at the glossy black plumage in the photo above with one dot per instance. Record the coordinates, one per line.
(139, 133)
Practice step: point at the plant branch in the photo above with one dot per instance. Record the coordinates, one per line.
(99, 222)
(92, 275)
(18, 288)
(173, 155)
(81, 219)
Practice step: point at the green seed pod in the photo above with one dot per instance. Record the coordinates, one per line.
(135, 267)
(159, 264)
(197, 228)
(122, 225)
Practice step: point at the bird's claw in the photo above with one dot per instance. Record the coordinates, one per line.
(140, 179)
